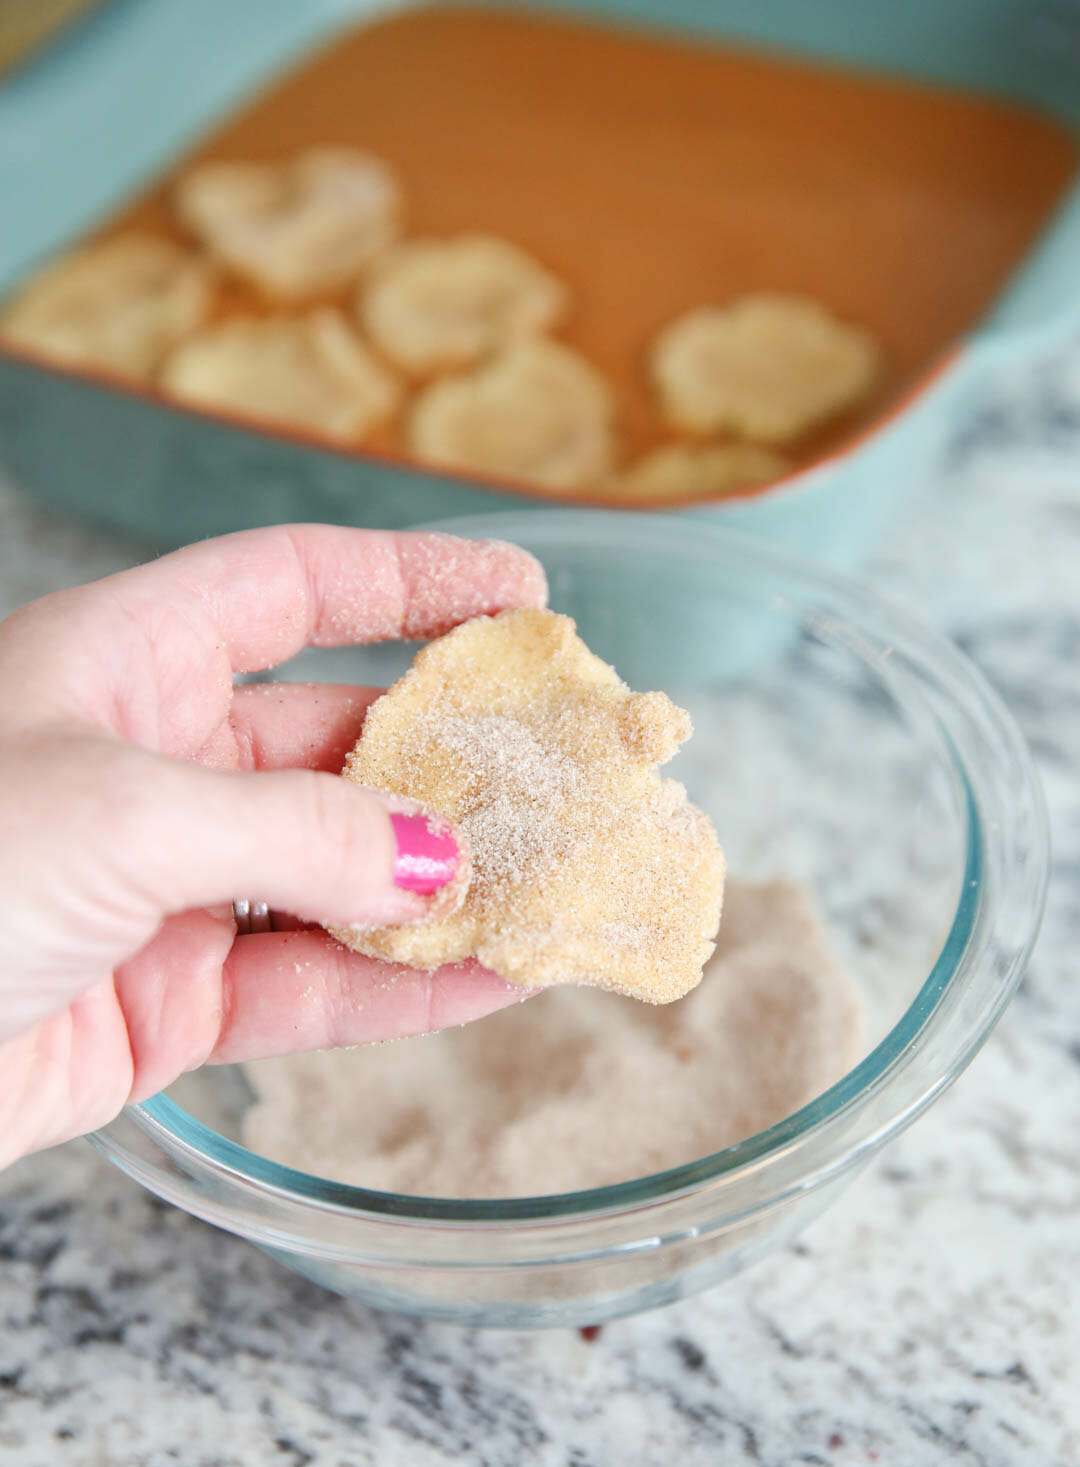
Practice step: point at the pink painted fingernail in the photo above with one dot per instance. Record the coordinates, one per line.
(427, 854)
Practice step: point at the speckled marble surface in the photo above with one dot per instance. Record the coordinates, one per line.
(932, 1316)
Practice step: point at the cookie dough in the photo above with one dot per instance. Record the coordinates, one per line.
(307, 371)
(538, 413)
(587, 867)
(769, 367)
(120, 304)
(298, 228)
(434, 305)
(683, 471)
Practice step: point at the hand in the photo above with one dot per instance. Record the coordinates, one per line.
(141, 794)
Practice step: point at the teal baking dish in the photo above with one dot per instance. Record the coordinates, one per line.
(126, 93)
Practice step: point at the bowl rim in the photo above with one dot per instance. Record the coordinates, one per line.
(1003, 819)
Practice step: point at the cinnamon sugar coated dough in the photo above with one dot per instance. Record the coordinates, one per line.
(587, 867)
(310, 371)
(577, 1089)
(119, 305)
(436, 304)
(537, 412)
(691, 471)
(298, 227)
(767, 366)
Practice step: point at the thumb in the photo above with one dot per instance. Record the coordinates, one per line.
(108, 839)
(308, 843)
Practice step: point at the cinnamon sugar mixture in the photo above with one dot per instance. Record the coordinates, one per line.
(574, 1088)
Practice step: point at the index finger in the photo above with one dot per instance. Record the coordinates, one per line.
(272, 592)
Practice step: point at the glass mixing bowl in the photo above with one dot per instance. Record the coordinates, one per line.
(837, 743)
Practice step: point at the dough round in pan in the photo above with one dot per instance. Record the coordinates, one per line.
(302, 227)
(308, 371)
(587, 867)
(683, 471)
(437, 304)
(538, 413)
(120, 304)
(769, 367)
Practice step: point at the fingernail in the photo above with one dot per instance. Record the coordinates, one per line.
(427, 854)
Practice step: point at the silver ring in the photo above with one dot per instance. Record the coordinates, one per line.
(251, 917)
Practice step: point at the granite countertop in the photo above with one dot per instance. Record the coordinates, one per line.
(932, 1316)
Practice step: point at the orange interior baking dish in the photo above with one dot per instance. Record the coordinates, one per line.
(655, 175)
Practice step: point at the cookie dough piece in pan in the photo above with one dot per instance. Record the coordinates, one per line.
(299, 228)
(687, 471)
(768, 367)
(437, 304)
(308, 371)
(120, 304)
(538, 413)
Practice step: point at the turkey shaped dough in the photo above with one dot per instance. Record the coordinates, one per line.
(296, 228)
(587, 867)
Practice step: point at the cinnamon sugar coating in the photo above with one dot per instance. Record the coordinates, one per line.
(587, 866)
